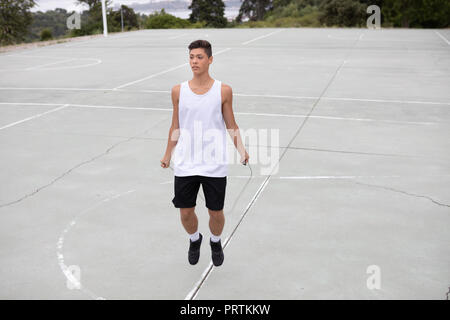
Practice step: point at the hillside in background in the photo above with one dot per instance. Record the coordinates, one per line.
(237, 14)
(173, 5)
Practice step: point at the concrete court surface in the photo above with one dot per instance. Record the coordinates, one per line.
(359, 207)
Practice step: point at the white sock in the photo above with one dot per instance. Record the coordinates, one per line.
(215, 238)
(195, 236)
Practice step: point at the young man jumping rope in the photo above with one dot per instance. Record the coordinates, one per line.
(201, 104)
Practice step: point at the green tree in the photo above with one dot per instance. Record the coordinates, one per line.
(46, 34)
(435, 14)
(400, 12)
(209, 11)
(55, 20)
(256, 10)
(163, 20)
(292, 8)
(141, 18)
(343, 13)
(130, 19)
(15, 19)
(417, 13)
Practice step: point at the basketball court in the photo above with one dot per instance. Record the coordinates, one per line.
(360, 192)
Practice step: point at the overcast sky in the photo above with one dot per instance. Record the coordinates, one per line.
(69, 5)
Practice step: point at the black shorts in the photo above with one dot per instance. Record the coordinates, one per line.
(186, 189)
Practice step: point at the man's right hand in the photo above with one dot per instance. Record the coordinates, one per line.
(165, 162)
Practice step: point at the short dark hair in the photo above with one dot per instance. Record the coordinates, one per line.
(201, 44)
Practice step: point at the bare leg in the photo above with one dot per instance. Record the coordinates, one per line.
(216, 222)
(189, 219)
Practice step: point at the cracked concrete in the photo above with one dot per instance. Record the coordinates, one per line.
(3, 205)
(246, 144)
(404, 192)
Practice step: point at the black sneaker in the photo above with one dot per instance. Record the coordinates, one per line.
(194, 250)
(216, 253)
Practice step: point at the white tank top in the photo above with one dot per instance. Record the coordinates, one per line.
(202, 145)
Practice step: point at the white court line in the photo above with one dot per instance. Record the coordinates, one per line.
(373, 40)
(75, 43)
(260, 37)
(193, 293)
(57, 89)
(150, 76)
(48, 64)
(96, 61)
(335, 177)
(60, 246)
(326, 177)
(30, 104)
(333, 118)
(26, 56)
(356, 177)
(33, 117)
(341, 99)
(85, 89)
(118, 35)
(236, 113)
(119, 107)
(184, 64)
(21, 55)
(442, 37)
(162, 72)
(238, 94)
(99, 37)
(387, 101)
(84, 106)
(142, 91)
(374, 120)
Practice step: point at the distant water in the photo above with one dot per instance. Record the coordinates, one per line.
(184, 14)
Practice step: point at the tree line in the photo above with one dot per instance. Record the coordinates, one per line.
(18, 23)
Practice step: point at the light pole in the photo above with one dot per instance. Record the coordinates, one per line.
(105, 24)
(121, 17)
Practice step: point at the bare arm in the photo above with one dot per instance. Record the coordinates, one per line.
(174, 131)
(230, 122)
